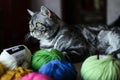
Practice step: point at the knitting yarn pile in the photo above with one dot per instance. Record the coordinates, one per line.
(17, 63)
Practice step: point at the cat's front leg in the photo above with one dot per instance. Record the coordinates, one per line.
(76, 55)
(73, 51)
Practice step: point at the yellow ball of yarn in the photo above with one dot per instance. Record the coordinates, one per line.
(15, 74)
(2, 69)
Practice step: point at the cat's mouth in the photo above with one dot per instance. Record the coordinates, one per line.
(38, 34)
(42, 32)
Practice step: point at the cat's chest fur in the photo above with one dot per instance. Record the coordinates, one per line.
(45, 43)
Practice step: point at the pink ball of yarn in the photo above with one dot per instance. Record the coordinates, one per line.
(35, 76)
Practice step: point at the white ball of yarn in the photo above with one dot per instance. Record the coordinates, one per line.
(8, 60)
(16, 56)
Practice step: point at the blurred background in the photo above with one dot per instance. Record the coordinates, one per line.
(14, 16)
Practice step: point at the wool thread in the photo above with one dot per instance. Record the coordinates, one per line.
(105, 68)
(2, 69)
(59, 70)
(14, 56)
(35, 76)
(15, 74)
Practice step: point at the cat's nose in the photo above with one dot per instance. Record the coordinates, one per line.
(43, 29)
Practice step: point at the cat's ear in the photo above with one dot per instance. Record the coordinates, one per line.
(30, 12)
(45, 11)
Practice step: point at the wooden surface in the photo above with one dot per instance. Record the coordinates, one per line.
(78, 67)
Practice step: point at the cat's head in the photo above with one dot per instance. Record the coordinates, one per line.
(44, 23)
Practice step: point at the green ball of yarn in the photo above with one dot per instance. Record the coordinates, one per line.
(104, 68)
(43, 56)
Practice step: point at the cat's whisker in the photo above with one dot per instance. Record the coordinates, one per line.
(27, 36)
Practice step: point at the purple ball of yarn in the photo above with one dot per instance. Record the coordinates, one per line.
(35, 76)
(59, 70)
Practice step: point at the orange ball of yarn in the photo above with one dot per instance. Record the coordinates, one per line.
(15, 74)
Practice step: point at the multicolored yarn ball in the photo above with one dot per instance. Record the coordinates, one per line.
(43, 56)
(16, 56)
(104, 68)
(59, 70)
(15, 74)
(2, 69)
(35, 76)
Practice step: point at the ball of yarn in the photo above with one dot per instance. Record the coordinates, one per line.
(59, 70)
(15, 74)
(43, 56)
(2, 69)
(8, 60)
(104, 68)
(16, 56)
(35, 76)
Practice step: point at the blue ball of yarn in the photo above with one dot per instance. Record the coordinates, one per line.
(59, 70)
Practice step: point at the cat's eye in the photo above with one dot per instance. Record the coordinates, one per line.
(38, 24)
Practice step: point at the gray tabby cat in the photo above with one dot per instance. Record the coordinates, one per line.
(77, 42)
(53, 33)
